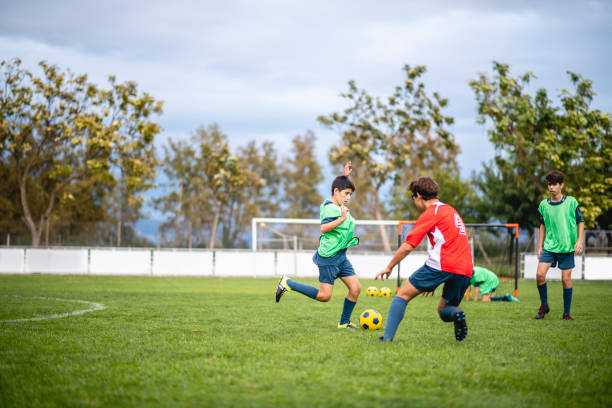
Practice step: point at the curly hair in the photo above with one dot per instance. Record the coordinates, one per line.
(554, 177)
(425, 186)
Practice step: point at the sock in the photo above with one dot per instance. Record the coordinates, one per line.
(447, 314)
(543, 294)
(499, 299)
(304, 289)
(396, 314)
(347, 310)
(567, 299)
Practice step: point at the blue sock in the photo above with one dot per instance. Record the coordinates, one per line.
(543, 294)
(567, 299)
(347, 311)
(447, 314)
(304, 289)
(396, 314)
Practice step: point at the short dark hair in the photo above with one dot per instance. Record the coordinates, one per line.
(425, 186)
(554, 177)
(342, 183)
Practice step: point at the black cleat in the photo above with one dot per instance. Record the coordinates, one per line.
(282, 288)
(461, 328)
(542, 312)
(383, 340)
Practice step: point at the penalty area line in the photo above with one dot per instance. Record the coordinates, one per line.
(95, 307)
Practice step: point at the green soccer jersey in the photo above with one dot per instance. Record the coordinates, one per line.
(485, 279)
(340, 237)
(560, 219)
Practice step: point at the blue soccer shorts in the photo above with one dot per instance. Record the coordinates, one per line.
(565, 260)
(334, 267)
(427, 279)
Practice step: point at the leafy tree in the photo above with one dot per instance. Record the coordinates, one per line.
(60, 128)
(186, 201)
(301, 177)
(533, 136)
(205, 176)
(258, 196)
(391, 141)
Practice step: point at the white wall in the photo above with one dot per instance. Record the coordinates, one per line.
(598, 268)
(177, 262)
(530, 267)
(12, 260)
(57, 261)
(120, 262)
(269, 263)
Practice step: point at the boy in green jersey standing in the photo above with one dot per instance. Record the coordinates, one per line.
(337, 227)
(561, 234)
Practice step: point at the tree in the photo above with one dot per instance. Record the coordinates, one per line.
(258, 196)
(392, 141)
(205, 176)
(186, 201)
(302, 175)
(532, 136)
(60, 128)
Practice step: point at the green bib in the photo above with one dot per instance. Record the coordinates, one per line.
(340, 237)
(560, 223)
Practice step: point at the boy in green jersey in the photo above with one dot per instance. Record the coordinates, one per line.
(337, 227)
(485, 283)
(561, 234)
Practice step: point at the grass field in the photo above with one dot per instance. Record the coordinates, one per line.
(164, 342)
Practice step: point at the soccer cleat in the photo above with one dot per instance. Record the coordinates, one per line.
(348, 325)
(282, 287)
(461, 329)
(383, 340)
(542, 312)
(511, 298)
(566, 316)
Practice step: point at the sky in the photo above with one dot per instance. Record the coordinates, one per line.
(264, 70)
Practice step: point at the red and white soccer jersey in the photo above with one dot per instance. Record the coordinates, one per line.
(450, 248)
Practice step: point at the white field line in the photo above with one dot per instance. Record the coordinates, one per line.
(95, 307)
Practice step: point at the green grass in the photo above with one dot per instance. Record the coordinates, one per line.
(224, 342)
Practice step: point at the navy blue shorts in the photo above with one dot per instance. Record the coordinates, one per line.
(334, 267)
(565, 260)
(427, 279)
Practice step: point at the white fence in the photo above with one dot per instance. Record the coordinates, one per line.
(227, 262)
(181, 262)
(589, 267)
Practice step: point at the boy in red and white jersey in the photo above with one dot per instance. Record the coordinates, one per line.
(450, 260)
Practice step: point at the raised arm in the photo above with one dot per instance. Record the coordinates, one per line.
(348, 168)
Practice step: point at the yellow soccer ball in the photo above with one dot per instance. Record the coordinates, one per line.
(370, 320)
(384, 292)
(372, 291)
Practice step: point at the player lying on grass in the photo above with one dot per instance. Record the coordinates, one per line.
(337, 227)
(449, 262)
(485, 282)
(561, 233)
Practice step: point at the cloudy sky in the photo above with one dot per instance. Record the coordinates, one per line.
(266, 69)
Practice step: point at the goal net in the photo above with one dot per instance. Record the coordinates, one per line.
(303, 234)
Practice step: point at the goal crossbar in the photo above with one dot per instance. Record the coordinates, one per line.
(261, 220)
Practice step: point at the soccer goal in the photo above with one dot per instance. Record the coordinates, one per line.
(494, 246)
(303, 234)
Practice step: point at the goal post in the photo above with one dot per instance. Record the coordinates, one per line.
(485, 240)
